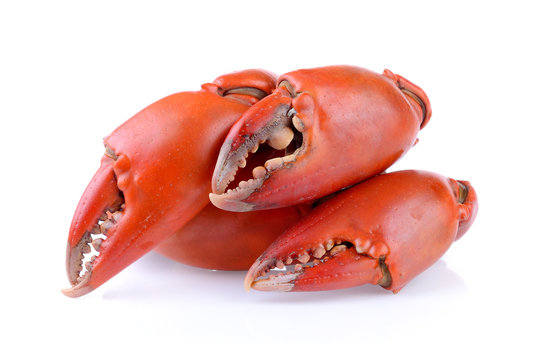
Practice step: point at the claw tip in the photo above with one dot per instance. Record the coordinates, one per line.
(76, 292)
(222, 202)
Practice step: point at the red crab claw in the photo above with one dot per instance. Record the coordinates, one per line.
(383, 231)
(334, 126)
(154, 177)
(225, 240)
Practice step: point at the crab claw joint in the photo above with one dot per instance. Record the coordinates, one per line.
(385, 231)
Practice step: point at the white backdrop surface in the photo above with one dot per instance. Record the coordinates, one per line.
(71, 72)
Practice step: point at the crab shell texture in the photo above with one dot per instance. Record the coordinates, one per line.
(154, 176)
(339, 125)
(385, 230)
(224, 240)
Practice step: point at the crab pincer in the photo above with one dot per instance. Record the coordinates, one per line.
(331, 127)
(385, 231)
(154, 176)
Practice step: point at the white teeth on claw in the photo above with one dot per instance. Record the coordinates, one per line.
(96, 244)
(96, 230)
(259, 172)
(304, 258)
(274, 164)
(116, 216)
(289, 158)
(91, 242)
(298, 124)
(281, 138)
(337, 249)
(319, 252)
(87, 238)
(105, 226)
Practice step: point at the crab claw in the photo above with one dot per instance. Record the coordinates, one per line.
(342, 124)
(383, 231)
(154, 177)
(225, 240)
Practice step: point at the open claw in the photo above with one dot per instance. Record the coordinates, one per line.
(91, 222)
(334, 127)
(154, 177)
(385, 231)
(272, 126)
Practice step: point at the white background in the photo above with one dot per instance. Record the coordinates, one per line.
(70, 73)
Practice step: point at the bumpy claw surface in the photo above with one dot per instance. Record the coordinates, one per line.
(385, 230)
(154, 176)
(331, 127)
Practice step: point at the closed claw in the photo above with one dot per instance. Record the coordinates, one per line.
(154, 177)
(330, 127)
(383, 231)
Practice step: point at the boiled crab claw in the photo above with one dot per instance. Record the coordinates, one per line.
(154, 176)
(224, 240)
(385, 231)
(334, 126)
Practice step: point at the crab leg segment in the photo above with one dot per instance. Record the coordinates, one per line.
(383, 231)
(154, 177)
(336, 126)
